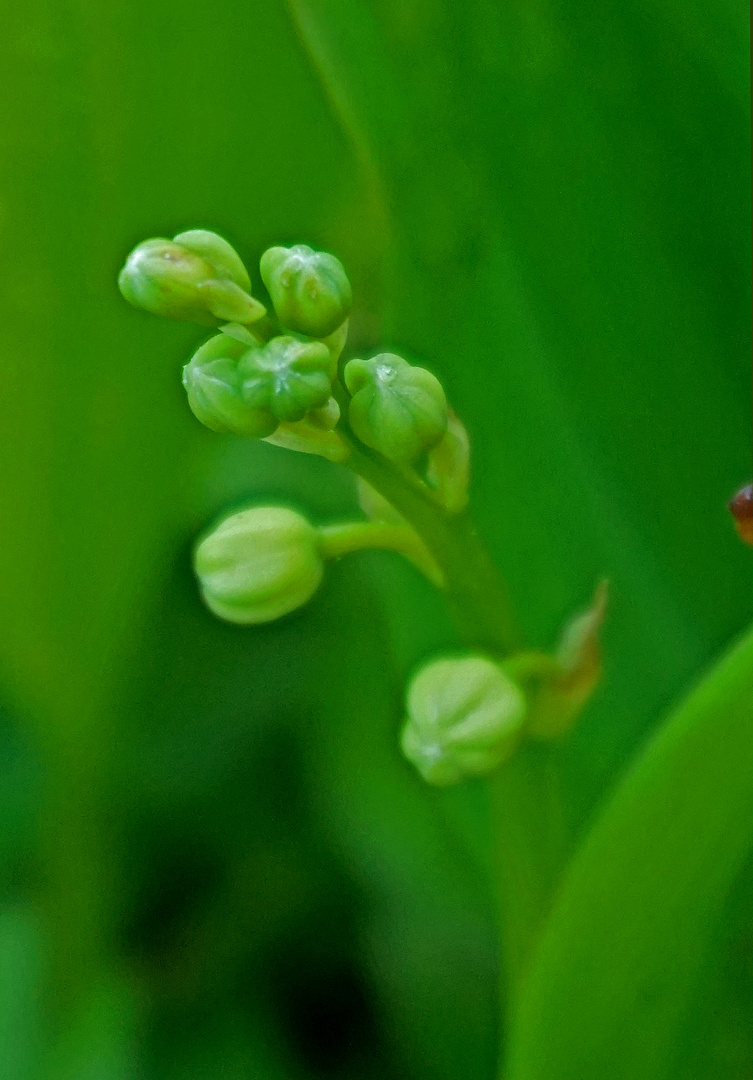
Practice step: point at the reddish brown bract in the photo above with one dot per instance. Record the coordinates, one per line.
(741, 508)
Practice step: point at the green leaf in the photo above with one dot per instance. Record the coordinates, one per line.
(616, 969)
(19, 997)
(109, 140)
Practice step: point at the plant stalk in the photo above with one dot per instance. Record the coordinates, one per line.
(531, 837)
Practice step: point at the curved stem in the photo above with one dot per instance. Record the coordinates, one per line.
(475, 590)
(342, 539)
(531, 840)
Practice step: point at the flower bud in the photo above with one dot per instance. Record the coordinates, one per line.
(197, 277)
(222, 256)
(465, 718)
(309, 289)
(259, 564)
(398, 409)
(214, 392)
(286, 377)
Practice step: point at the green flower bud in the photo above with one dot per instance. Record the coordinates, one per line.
(214, 391)
(397, 409)
(259, 564)
(309, 289)
(197, 277)
(286, 377)
(464, 719)
(225, 260)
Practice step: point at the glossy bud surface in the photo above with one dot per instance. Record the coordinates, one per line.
(309, 289)
(222, 256)
(201, 279)
(286, 377)
(398, 409)
(259, 564)
(214, 393)
(464, 719)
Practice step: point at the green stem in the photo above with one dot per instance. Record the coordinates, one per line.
(531, 840)
(349, 536)
(532, 667)
(475, 590)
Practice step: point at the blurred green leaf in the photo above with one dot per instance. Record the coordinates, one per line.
(20, 982)
(615, 971)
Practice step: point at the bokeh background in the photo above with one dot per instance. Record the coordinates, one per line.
(213, 862)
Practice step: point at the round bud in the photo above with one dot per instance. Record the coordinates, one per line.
(214, 393)
(465, 718)
(259, 564)
(197, 277)
(398, 409)
(309, 289)
(286, 377)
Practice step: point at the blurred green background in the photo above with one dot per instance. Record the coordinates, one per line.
(213, 862)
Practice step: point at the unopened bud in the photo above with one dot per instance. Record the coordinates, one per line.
(197, 277)
(221, 256)
(259, 564)
(286, 377)
(309, 289)
(465, 718)
(214, 391)
(398, 409)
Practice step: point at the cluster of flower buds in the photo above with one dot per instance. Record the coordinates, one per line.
(246, 380)
(278, 375)
(251, 389)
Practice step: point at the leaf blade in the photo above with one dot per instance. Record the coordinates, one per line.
(608, 987)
